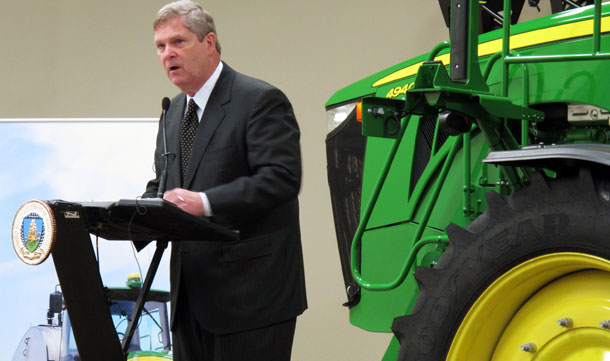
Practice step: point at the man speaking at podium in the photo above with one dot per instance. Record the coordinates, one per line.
(234, 156)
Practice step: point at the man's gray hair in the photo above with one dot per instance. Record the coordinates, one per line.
(194, 17)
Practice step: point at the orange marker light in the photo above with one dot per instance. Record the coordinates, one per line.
(359, 112)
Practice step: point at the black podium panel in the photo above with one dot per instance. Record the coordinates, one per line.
(78, 271)
(150, 219)
(82, 288)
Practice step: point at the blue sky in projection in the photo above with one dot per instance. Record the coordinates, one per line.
(76, 162)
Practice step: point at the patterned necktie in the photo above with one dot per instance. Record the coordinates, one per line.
(188, 128)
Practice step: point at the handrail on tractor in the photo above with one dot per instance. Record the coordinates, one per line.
(595, 54)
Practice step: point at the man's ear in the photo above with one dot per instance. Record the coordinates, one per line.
(210, 41)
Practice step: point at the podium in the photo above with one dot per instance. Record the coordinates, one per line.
(78, 272)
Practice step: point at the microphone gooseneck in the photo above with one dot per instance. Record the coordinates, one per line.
(165, 103)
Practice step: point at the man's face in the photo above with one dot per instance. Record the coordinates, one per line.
(187, 61)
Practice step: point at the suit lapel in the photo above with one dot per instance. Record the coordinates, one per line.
(212, 116)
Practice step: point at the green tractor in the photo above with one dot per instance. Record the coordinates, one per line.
(471, 189)
(55, 341)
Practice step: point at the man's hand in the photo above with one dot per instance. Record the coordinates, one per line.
(188, 201)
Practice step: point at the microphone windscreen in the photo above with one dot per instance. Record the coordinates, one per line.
(165, 103)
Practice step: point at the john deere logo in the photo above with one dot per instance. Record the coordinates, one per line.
(33, 232)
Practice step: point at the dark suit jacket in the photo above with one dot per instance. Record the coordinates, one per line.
(246, 158)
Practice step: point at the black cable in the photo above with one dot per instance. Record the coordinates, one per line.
(140, 210)
(133, 250)
(97, 249)
(152, 317)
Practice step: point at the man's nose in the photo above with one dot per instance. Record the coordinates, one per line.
(167, 53)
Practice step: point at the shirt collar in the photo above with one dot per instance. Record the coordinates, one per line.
(203, 95)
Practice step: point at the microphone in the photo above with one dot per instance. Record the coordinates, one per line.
(165, 103)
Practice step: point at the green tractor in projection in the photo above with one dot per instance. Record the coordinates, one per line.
(55, 341)
(471, 188)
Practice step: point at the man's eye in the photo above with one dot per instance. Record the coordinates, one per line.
(160, 47)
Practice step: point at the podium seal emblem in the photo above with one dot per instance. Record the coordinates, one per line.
(33, 233)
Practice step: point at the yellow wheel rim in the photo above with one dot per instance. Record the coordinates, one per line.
(517, 316)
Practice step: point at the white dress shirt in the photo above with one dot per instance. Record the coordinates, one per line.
(201, 99)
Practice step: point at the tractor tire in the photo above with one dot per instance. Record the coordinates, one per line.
(528, 279)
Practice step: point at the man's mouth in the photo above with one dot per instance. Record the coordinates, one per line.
(172, 68)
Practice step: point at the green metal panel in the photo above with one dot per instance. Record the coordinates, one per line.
(452, 193)
(388, 246)
(572, 81)
(391, 353)
(393, 196)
